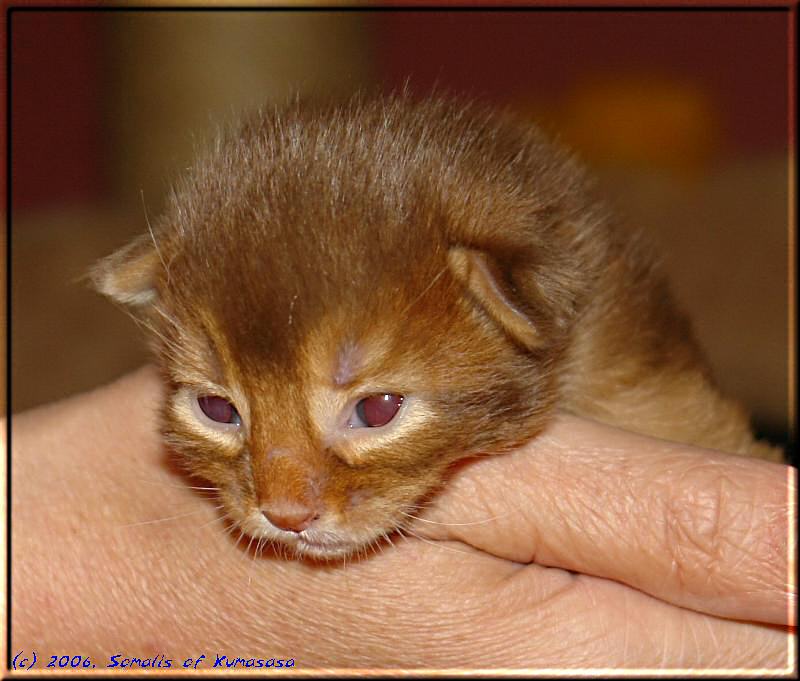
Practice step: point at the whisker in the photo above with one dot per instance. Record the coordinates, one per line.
(252, 562)
(399, 531)
(233, 528)
(221, 518)
(433, 543)
(165, 520)
(167, 484)
(476, 522)
(242, 535)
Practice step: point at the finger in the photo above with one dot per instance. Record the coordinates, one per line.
(698, 528)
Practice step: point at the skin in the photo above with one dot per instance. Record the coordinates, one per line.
(619, 551)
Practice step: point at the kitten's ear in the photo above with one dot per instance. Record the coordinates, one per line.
(484, 279)
(129, 275)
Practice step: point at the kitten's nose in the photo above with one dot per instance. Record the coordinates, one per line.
(289, 515)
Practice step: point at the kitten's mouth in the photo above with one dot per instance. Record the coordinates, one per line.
(324, 549)
(312, 542)
(329, 546)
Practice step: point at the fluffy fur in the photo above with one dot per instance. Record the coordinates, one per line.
(435, 250)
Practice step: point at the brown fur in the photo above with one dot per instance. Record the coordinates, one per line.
(434, 250)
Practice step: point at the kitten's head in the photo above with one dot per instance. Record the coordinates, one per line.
(346, 301)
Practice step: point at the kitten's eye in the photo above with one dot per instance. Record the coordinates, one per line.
(376, 410)
(219, 409)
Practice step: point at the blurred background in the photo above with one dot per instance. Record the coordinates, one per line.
(681, 114)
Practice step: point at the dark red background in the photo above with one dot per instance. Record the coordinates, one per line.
(59, 83)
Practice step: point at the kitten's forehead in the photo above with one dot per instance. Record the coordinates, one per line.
(340, 357)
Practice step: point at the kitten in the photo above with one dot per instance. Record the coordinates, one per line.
(346, 300)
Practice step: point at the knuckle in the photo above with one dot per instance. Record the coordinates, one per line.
(706, 524)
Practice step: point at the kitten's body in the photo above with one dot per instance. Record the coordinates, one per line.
(435, 252)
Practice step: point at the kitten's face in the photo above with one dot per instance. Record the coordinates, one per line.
(344, 302)
(323, 427)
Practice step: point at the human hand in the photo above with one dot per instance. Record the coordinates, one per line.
(694, 527)
(113, 553)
